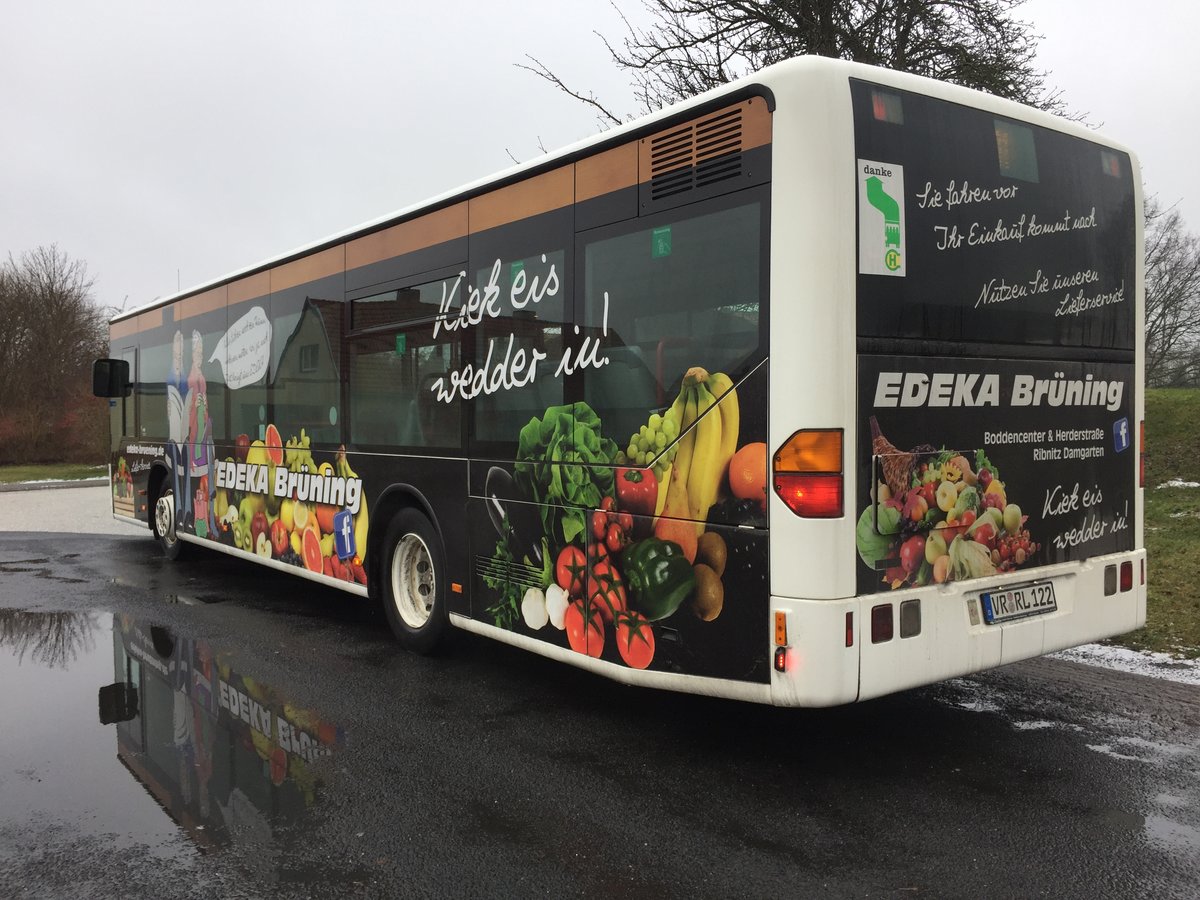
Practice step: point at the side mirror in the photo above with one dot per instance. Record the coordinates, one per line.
(118, 703)
(110, 378)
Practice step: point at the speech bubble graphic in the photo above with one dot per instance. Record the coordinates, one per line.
(245, 351)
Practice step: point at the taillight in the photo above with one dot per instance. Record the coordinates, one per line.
(1126, 576)
(807, 473)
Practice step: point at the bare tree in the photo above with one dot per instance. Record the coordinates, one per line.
(693, 45)
(50, 331)
(53, 639)
(1172, 298)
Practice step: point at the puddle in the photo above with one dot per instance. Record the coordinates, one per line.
(120, 730)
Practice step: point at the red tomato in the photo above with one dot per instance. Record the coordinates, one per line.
(599, 524)
(614, 538)
(635, 640)
(625, 521)
(608, 503)
(571, 569)
(585, 628)
(606, 590)
(596, 552)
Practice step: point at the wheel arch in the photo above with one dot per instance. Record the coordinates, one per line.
(159, 473)
(394, 498)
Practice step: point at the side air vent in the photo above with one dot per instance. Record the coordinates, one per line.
(698, 154)
(708, 156)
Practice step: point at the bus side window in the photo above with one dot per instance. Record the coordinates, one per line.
(663, 294)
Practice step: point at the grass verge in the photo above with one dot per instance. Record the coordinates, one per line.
(1172, 525)
(50, 472)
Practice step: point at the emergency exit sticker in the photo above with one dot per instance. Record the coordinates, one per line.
(881, 239)
(660, 242)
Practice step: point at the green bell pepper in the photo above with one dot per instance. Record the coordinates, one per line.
(659, 576)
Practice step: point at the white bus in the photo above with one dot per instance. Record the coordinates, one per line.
(816, 387)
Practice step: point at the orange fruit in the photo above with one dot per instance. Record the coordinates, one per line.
(274, 445)
(312, 551)
(748, 472)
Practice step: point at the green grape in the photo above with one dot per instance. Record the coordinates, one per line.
(655, 421)
(660, 440)
(632, 450)
(643, 443)
(621, 460)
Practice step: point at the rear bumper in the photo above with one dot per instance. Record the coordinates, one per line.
(953, 638)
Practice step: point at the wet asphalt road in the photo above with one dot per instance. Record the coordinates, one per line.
(490, 772)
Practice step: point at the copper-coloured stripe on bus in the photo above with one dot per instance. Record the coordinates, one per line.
(124, 328)
(531, 197)
(428, 230)
(249, 288)
(152, 318)
(198, 304)
(309, 268)
(606, 172)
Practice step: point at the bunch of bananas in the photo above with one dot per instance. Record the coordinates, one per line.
(710, 435)
(296, 454)
(342, 465)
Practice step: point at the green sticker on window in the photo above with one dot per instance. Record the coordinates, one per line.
(660, 242)
(401, 343)
(515, 268)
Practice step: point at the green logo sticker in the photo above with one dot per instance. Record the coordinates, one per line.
(891, 259)
(401, 344)
(660, 242)
(516, 268)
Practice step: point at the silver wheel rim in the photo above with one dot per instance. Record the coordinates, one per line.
(413, 584)
(164, 518)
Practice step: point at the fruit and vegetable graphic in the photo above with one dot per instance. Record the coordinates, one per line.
(612, 550)
(939, 516)
(295, 525)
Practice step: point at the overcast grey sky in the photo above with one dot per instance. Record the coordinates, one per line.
(162, 141)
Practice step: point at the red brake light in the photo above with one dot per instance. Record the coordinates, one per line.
(810, 496)
(1126, 576)
(808, 473)
(881, 623)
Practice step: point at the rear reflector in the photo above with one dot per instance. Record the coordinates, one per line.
(849, 629)
(808, 473)
(881, 623)
(1126, 576)
(1143, 571)
(780, 628)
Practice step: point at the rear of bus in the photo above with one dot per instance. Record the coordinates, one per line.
(982, 386)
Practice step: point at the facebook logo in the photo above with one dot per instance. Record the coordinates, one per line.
(1121, 437)
(343, 534)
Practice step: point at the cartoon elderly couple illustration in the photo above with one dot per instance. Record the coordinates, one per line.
(190, 448)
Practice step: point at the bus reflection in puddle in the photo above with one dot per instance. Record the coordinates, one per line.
(228, 758)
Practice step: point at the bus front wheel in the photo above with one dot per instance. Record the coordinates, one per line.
(163, 521)
(414, 582)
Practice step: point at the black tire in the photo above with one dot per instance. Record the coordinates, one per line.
(413, 577)
(162, 523)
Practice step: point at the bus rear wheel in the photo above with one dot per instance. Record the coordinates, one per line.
(414, 583)
(163, 523)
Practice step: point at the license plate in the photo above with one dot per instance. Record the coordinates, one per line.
(1018, 602)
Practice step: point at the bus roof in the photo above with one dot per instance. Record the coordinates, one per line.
(764, 83)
